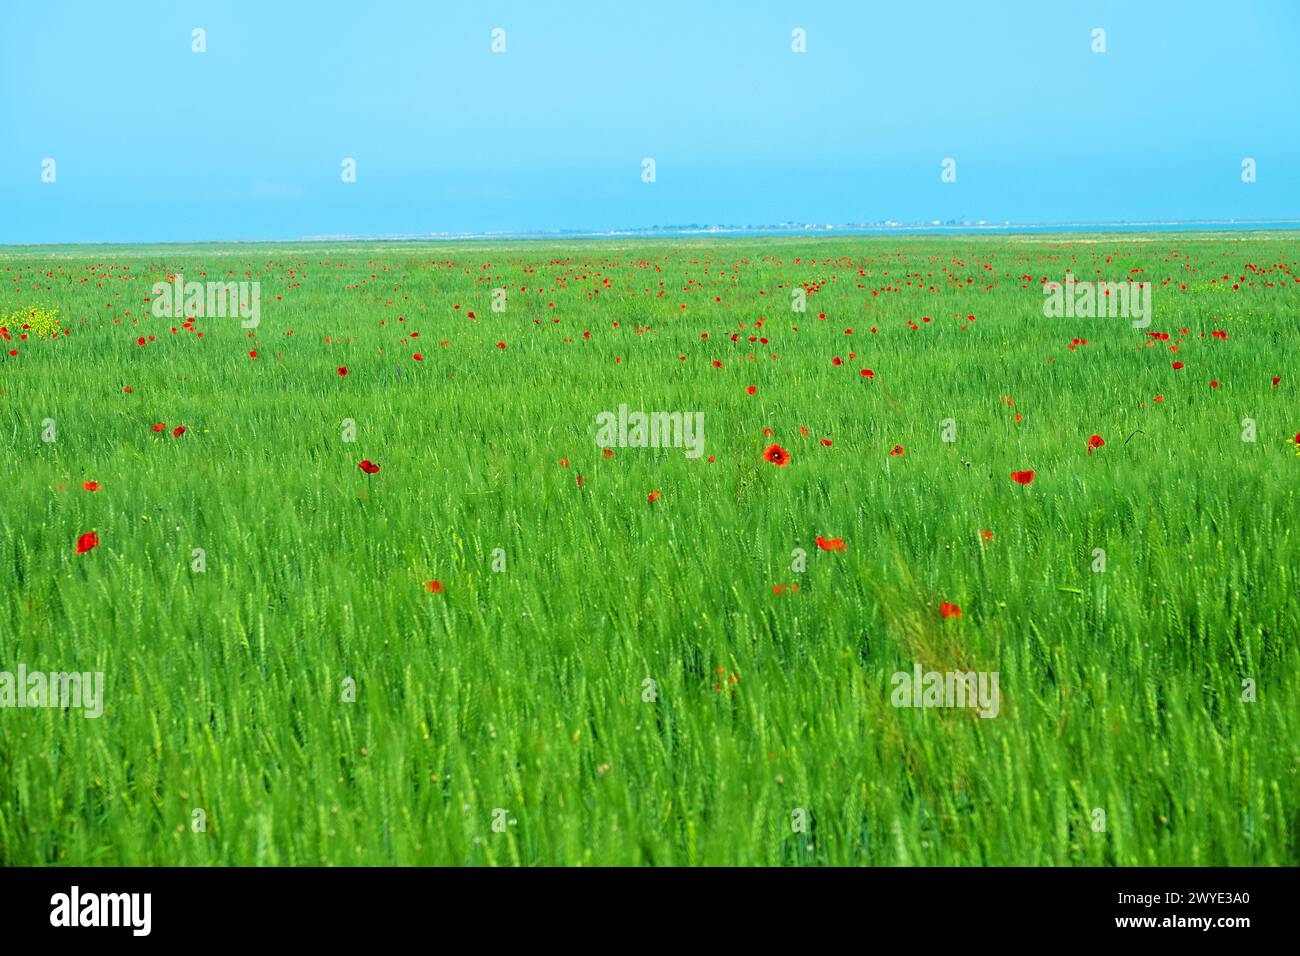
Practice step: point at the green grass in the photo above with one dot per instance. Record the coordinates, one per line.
(523, 690)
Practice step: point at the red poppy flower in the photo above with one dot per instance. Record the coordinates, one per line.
(751, 390)
(418, 357)
(609, 453)
(776, 455)
(1178, 365)
(1096, 441)
(92, 486)
(830, 544)
(1276, 379)
(867, 373)
(897, 451)
(368, 466)
(178, 431)
(87, 541)
(253, 354)
(947, 609)
(343, 371)
(988, 535)
(1022, 477)
(435, 587)
(160, 426)
(652, 497)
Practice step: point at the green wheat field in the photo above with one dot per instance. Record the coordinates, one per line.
(505, 647)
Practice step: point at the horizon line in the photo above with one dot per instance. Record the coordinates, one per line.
(693, 230)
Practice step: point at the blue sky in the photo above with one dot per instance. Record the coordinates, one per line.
(154, 142)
